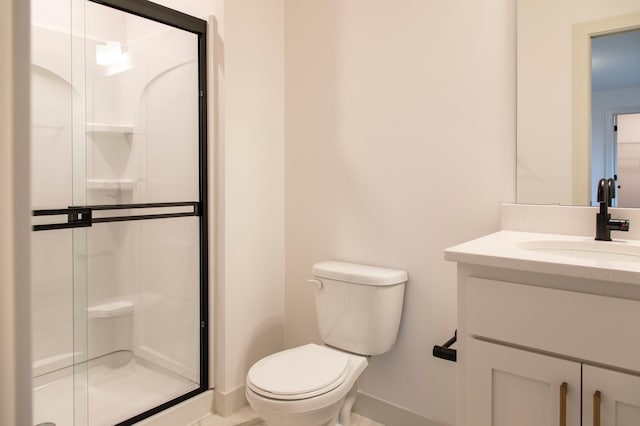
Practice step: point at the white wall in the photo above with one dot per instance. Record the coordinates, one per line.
(399, 143)
(254, 184)
(15, 365)
(248, 151)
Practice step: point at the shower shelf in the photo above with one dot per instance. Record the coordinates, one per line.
(124, 129)
(111, 184)
(116, 308)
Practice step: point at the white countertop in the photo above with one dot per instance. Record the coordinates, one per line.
(502, 250)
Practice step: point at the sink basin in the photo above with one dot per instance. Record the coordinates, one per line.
(616, 251)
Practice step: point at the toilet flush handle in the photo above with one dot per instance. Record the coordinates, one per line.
(317, 283)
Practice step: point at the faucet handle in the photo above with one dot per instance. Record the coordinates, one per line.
(619, 225)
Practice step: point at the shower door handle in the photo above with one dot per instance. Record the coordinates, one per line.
(83, 216)
(77, 217)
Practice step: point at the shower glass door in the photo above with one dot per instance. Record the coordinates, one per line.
(59, 258)
(119, 246)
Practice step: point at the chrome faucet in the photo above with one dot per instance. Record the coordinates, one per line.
(604, 223)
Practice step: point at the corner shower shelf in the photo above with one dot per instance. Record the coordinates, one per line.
(116, 308)
(111, 184)
(123, 129)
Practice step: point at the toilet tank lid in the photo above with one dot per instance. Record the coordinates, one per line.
(359, 274)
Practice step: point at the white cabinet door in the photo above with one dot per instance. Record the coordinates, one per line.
(619, 397)
(507, 387)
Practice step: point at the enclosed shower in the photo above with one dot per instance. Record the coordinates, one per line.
(119, 241)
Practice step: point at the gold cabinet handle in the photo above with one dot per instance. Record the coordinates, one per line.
(563, 404)
(596, 408)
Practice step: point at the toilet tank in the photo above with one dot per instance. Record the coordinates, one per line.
(358, 306)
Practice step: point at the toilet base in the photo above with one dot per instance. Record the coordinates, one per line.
(344, 417)
(336, 414)
(332, 408)
(275, 414)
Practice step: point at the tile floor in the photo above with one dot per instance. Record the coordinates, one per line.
(246, 417)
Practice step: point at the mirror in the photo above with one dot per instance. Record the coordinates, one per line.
(562, 147)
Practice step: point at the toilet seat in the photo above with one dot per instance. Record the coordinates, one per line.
(299, 373)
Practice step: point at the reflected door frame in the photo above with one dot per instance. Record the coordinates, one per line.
(612, 145)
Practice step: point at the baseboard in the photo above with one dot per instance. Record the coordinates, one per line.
(389, 414)
(185, 413)
(226, 403)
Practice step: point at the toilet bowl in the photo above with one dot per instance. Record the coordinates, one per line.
(310, 385)
(358, 309)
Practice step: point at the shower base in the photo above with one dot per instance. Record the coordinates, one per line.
(112, 388)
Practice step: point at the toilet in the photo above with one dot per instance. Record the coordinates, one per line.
(358, 309)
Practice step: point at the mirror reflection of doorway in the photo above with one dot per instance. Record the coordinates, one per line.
(627, 143)
(615, 92)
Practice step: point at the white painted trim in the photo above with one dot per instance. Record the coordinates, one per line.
(366, 405)
(389, 414)
(610, 145)
(227, 403)
(582, 34)
(15, 330)
(211, 174)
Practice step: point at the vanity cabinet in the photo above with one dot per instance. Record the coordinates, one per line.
(508, 386)
(536, 350)
(619, 396)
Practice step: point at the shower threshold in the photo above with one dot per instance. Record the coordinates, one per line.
(110, 390)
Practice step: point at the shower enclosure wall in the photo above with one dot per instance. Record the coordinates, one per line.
(119, 245)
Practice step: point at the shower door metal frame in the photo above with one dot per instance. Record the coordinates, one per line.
(81, 216)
